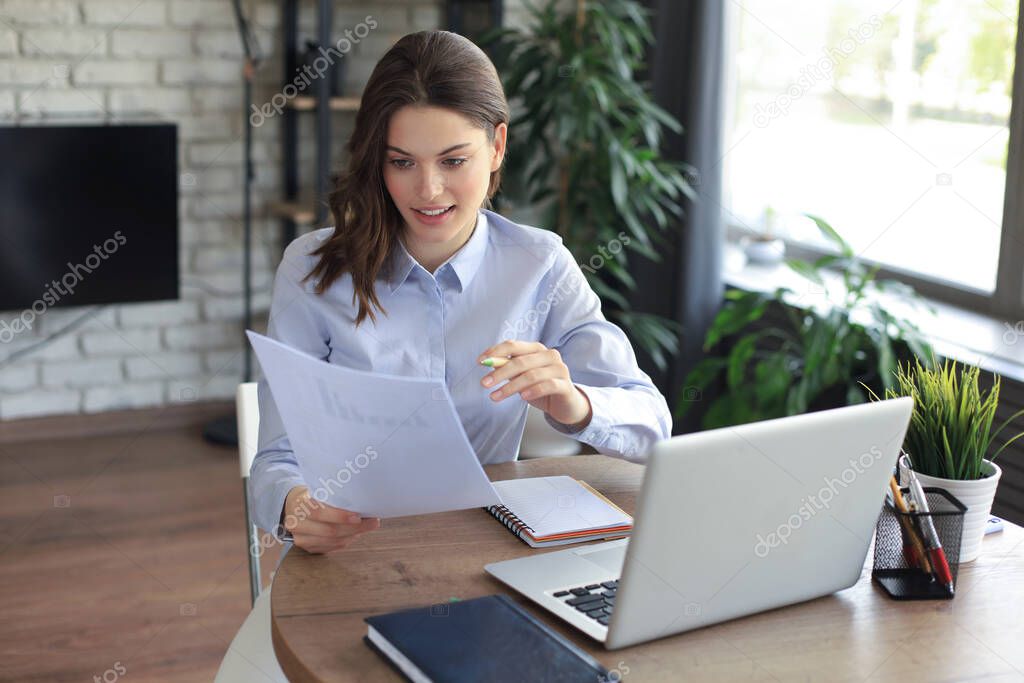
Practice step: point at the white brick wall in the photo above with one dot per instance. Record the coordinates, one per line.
(118, 13)
(200, 388)
(44, 102)
(82, 373)
(19, 378)
(159, 101)
(202, 13)
(8, 41)
(216, 127)
(121, 342)
(163, 365)
(58, 318)
(55, 42)
(230, 308)
(113, 72)
(47, 73)
(62, 348)
(34, 403)
(121, 396)
(178, 59)
(201, 71)
(174, 313)
(142, 43)
(203, 336)
(44, 12)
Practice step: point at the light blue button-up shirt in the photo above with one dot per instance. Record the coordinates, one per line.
(508, 281)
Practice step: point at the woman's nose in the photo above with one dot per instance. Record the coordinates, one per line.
(431, 184)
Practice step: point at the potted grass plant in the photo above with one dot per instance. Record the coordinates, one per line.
(949, 438)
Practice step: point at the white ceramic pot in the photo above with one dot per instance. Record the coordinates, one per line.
(765, 251)
(977, 495)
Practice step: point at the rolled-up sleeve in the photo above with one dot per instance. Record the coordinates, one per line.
(293, 321)
(629, 413)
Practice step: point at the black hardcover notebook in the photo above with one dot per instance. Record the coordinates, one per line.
(483, 639)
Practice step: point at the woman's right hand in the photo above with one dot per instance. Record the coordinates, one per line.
(321, 528)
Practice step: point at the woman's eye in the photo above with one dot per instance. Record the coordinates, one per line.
(401, 163)
(454, 163)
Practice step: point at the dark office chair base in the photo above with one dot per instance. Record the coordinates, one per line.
(222, 431)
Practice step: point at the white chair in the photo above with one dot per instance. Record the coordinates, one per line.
(250, 657)
(542, 440)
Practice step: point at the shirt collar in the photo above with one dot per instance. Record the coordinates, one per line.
(464, 263)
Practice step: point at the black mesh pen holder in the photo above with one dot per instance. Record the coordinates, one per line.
(897, 565)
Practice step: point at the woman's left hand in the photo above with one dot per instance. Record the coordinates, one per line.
(539, 376)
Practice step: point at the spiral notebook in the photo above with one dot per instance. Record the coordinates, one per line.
(547, 511)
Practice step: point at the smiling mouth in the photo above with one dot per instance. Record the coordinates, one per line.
(436, 212)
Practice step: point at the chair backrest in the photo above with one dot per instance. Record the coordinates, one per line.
(248, 406)
(542, 440)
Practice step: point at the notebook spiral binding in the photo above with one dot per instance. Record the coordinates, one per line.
(510, 520)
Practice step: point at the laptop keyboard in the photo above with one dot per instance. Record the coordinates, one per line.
(596, 600)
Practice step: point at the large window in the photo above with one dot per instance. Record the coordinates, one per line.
(891, 120)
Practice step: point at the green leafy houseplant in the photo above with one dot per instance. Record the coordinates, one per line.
(950, 430)
(818, 358)
(585, 146)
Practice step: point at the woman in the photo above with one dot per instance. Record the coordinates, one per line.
(453, 284)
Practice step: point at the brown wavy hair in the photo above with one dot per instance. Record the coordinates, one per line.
(435, 68)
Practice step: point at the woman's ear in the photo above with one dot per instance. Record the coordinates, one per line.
(500, 138)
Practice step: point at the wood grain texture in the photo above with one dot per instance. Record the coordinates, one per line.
(113, 422)
(127, 548)
(319, 603)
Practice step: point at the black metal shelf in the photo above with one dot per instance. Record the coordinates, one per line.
(321, 104)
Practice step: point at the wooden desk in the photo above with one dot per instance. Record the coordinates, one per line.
(859, 634)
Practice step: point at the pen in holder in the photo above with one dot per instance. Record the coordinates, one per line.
(904, 558)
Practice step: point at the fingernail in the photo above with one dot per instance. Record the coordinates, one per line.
(354, 519)
(488, 381)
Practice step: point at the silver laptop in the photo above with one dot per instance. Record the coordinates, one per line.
(729, 522)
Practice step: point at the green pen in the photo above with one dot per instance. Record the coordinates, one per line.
(493, 362)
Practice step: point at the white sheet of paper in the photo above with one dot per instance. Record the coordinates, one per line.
(380, 445)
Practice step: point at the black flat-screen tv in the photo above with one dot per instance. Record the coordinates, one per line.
(88, 215)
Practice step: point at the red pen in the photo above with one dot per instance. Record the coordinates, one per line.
(931, 539)
(913, 549)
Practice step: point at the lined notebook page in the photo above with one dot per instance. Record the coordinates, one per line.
(556, 505)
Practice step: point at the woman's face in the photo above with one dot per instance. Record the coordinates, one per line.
(436, 159)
